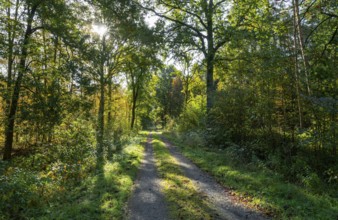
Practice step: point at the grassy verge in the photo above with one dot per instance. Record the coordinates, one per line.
(101, 193)
(259, 187)
(184, 201)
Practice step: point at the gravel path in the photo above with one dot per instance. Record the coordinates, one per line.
(147, 202)
(214, 192)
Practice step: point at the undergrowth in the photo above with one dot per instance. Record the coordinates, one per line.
(258, 186)
(73, 187)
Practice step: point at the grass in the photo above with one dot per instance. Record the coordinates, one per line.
(261, 188)
(101, 194)
(183, 199)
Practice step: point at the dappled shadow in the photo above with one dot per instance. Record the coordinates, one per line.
(147, 201)
(207, 185)
(101, 195)
(266, 187)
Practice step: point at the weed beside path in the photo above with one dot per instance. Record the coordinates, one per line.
(221, 200)
(259, 187)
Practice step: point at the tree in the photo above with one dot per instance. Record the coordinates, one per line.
(138, 66)
(9, 130)
(36, 15)
(201, 25)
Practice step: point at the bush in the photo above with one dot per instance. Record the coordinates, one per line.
(18, 192)
(76, 141)
(239, 154)
(194, 139)
(193, 116)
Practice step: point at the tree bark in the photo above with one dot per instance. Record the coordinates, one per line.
(134, 102)
(299, 35)
(100, 132)
(133, 112)
(296, 67)
(210, 61)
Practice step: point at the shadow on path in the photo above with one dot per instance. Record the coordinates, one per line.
(213, 191)
(147, 201)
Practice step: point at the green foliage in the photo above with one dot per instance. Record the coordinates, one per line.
(103, 194)
(169, 95)
(72, 186)
(193, 116)
(264, 189)
(75, 140)
(19, 191)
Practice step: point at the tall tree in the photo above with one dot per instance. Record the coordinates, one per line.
(35, 15)
(201, 25)
(138, 66)
(30, 29)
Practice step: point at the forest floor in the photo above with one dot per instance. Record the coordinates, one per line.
(152, 186)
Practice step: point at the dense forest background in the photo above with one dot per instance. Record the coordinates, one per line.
(79, 78)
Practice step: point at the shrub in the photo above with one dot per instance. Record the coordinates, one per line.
(18, 192)
(194, 139)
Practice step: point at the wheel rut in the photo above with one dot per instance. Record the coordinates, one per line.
(147, 201)
(216, 194)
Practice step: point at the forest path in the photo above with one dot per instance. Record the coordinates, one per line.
(147, 200)
(216, 194)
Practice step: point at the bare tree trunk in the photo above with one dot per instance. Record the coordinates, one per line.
(299, 34)
(296, 68)
(133, 108)
(109, 117)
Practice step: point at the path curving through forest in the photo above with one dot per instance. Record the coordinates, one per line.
(147, 201)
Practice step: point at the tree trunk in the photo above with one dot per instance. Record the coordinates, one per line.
(296, 68)
(10, 120)
(210, 84)
(133, 111)
(100, 120)
(109, 117)
(133, 108)
(299, 34)
(210, 62)
(10, 59)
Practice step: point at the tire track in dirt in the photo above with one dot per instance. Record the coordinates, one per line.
(216, 194)
(147, 201)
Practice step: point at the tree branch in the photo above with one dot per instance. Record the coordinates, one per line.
(219, 3)
(332, 38)
(312, 31)
(36, 28)
(329, 14)
(186, 11)
(198, 33)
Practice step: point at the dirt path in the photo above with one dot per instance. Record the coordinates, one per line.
(147, 201)
(214, 192)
